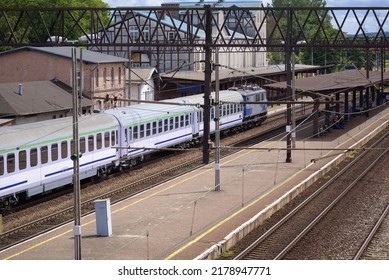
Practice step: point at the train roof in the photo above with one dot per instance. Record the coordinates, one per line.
(248, 89)
(147, 112)
(28, 135)
(224, 95)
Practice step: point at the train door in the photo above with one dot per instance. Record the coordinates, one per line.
(195, 123)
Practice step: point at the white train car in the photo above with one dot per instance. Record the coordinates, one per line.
(231, 112)
(152, 126)
(36, 157)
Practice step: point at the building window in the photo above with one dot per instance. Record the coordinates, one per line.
(112, 75)
(170, 36)
(148, 95)
(146, 33)
(97, 77)
(134, 33)
(120, 75)
(105, 75)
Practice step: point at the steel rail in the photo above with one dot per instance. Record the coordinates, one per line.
(372, 233)
(292, 213)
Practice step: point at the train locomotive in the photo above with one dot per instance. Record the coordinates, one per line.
(37, 157)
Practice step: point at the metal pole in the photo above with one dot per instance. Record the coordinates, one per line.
(81, 85)
(293, 99)
(217, 123)
(207, 81)
(289, 87)
(76, 164)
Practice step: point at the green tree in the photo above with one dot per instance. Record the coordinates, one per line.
(43, 19)
(305, 26)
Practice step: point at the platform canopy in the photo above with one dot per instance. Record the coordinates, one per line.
(335, 82)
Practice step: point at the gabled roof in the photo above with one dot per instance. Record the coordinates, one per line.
(87, 56)
(36, 97)
(168, 21)
(177, 24)
(141, 75)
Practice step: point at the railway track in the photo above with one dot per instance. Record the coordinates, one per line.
(300, 233)
(64, 215)
(370, 249)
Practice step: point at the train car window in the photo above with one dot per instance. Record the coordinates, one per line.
(112, 137)
(187, 120)
(44, 154)
(224, 110)
(141, 131)
(1, 165)
(99, 141)
(182, 120)
(64, 149)
(171, 121)
(126, 135)
(82, 145)
(106, 139)
(154, 128)
(33, 157)
(129, 134)
(160, 127)
(54, 152)
(176, 122)
(116, 137)
(22, 160)
(166, 125)
(212, 113)
(71, 147)
(148, 129)
(10, 163)
(91, 143)
(135, 132)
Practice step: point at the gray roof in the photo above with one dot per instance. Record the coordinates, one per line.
(141, 75)
(31, 134)
(333, 82)
(36, 97)
(87, 56)
(225, 73)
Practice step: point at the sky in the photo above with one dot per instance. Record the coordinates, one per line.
(350, 25)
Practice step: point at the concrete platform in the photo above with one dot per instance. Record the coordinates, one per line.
(186, 219)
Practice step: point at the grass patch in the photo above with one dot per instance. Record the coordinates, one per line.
(228, 254)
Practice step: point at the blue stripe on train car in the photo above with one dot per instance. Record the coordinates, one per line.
(14, 185)
(82, 165)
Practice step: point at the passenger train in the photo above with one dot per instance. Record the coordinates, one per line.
(36, 157)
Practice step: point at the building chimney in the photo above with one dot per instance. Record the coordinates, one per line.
(20, 89)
